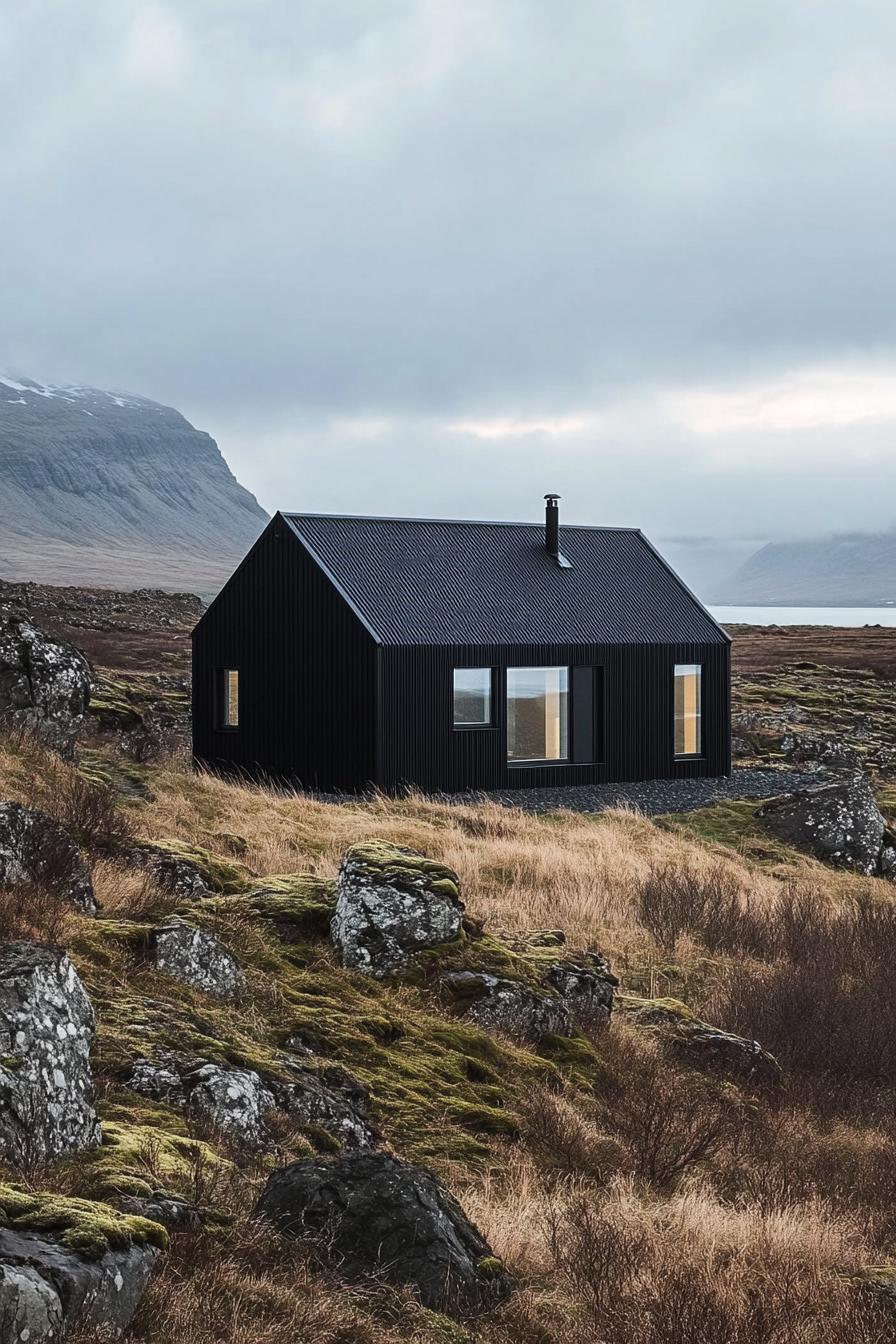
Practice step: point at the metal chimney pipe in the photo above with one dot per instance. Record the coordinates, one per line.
(552, 525)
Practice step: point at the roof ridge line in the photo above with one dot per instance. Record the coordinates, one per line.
(455, 522)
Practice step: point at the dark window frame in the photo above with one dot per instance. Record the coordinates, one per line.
(222, 699)
(485, 726)
(701, 717)
(546, 762)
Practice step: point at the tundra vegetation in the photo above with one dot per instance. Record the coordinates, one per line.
(715, 1163)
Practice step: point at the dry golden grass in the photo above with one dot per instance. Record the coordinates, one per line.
(737, 1220)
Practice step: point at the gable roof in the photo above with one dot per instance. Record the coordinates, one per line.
(439, 581)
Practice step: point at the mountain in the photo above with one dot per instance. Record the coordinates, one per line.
(106, 488)
(855, 569)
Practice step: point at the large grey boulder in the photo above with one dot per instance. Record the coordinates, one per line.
(44, 683)
(46, 1029)
(47, 1289)
(508, 1006)
(239, 1101)
(372, 1214)
(34, 849)
(838, 821)
(392, 902)
(196, 958)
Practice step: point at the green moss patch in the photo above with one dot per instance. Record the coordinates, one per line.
(402, 867)
(221, 874)
(142, 1152)
(81, 1225)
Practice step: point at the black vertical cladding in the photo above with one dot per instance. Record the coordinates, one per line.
(627, 692)
(326, 704)
(308, 682)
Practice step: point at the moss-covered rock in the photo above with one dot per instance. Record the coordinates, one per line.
(81, 1225)
(392, 902)
(700, 1045)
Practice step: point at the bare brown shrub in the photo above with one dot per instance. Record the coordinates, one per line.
(91, 814)
(669, 1121)
(33, 910)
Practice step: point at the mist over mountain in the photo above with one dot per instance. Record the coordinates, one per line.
(850, 569)
(108, 488)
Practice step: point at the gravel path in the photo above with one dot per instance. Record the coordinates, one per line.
(653, 797)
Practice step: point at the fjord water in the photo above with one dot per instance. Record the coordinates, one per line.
(842, 616)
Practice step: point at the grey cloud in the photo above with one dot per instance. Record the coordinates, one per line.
(285, 217)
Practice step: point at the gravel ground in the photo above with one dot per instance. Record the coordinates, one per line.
(653, 797)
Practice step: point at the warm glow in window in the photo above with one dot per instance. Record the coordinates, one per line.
(688, 727)
(537, 713)
(231, 715)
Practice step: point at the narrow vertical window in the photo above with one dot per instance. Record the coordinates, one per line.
(537, 713)
(230, 698)
(472, 697)
(688, 709)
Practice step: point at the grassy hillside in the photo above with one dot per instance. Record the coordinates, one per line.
(635, 1196)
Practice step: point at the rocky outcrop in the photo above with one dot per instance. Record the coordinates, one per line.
(510, 1006)
(34, 849)
(838, 821)
(176, 873)
(822, 753)
(372, 1214)
(587, 987)
(239, 1101)
(44, 684)
(700, 1045)
(46, 1030)
(47, 1289)
(162, 1208)
(30, 1307)
(392, 902)
(196, 958)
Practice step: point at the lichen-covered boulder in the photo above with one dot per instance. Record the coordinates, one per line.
(196, 958)
(44, 683)
(233, 1100)
(239, 1101)
(509, 1006)
(372, 1214)
(30, 1307)
(48, 1289)
(46, 1030)
(35, 849)
(838, 821)
(392, 902)
(700, 1045)
(587, 987)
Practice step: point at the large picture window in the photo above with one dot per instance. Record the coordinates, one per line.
(230, 698)
(472, 697)
(537, 713)
(688, 709)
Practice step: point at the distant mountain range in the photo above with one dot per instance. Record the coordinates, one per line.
(112, 489)
(848, 570)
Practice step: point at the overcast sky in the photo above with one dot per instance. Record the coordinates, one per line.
(440, 256)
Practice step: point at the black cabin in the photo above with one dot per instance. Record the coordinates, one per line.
(346, 652)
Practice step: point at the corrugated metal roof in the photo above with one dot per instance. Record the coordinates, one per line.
(440, 581)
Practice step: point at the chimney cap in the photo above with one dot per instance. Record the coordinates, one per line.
(553, 496)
